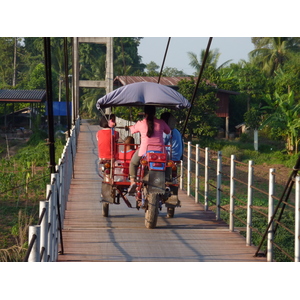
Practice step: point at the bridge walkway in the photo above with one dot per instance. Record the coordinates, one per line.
(193, 235)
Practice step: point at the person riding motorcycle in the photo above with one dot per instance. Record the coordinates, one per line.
(151, 130)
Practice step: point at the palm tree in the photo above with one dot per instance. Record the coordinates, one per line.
(272, 52)
(212, 60)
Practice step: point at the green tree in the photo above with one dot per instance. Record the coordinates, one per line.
(172, 72)
(288, 76)
(252, 83)
(272, 52)
(6, 61)
(127, 61)
(203, 121)
(152, 68)
(253, 121)
(212, 60)
(282, 115)
(37, 78)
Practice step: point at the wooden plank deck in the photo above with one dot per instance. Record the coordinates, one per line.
(193, 235)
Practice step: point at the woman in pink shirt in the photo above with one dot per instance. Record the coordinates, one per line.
(151, 130)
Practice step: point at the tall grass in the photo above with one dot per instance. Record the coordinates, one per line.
(23, 180)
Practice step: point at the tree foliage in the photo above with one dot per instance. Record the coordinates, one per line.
(273, 69)
(212, 60)
(203, 121)
(282, 115)
(272, 53)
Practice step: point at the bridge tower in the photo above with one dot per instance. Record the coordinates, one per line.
(77, 83)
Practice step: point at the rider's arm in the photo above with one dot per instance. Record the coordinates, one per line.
(137, 127)
(166, 128)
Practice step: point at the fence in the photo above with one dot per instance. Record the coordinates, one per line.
(244, 196)
(45, 238)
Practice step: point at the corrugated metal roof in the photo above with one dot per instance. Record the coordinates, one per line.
(22, 95)
(170, 81)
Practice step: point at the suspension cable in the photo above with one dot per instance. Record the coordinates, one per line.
(162, 66)
(196, 87)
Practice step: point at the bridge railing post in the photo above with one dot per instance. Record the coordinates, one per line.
(44, 206)
(34, 231)
(270, 214)
(61, 169)
(232, 192)
(181, 175)
(51, 220)
(219, 183)
(206, 180)
(189, 170)
(56, 208)
(249, 204)
(197, 175)
(297, 220)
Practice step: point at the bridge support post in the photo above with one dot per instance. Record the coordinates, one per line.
(270, 214)
(206, 180)
(197, 175)
(297, 220)
(249, 204)
(232, 192)
(219, 182)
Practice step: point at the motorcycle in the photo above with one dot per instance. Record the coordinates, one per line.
(157, 177)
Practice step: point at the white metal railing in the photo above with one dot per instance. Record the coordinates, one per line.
(197, 170)
(45, 238)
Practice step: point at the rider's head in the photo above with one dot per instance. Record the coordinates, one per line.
(129, 141)
(169, 119)
(150, 113)
(103, 122)
(149, 110)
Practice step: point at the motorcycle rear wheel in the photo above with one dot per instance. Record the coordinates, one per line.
(105, 209)
(151, 213)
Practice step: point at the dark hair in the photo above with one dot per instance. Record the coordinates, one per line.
(165, 116)
(111, 117)
(150, 112)
(129, 140)
(103, 122)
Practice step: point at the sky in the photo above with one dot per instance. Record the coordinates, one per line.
(153, 49)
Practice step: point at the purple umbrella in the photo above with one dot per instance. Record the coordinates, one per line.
(143, 93)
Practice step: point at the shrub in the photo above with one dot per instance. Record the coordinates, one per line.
(230, 150)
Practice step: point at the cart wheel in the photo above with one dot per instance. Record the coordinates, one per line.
(170, 212)
(105, 208)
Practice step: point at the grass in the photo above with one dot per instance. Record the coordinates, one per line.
(23, 180)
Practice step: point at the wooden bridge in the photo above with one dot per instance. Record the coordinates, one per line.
(193, 235)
